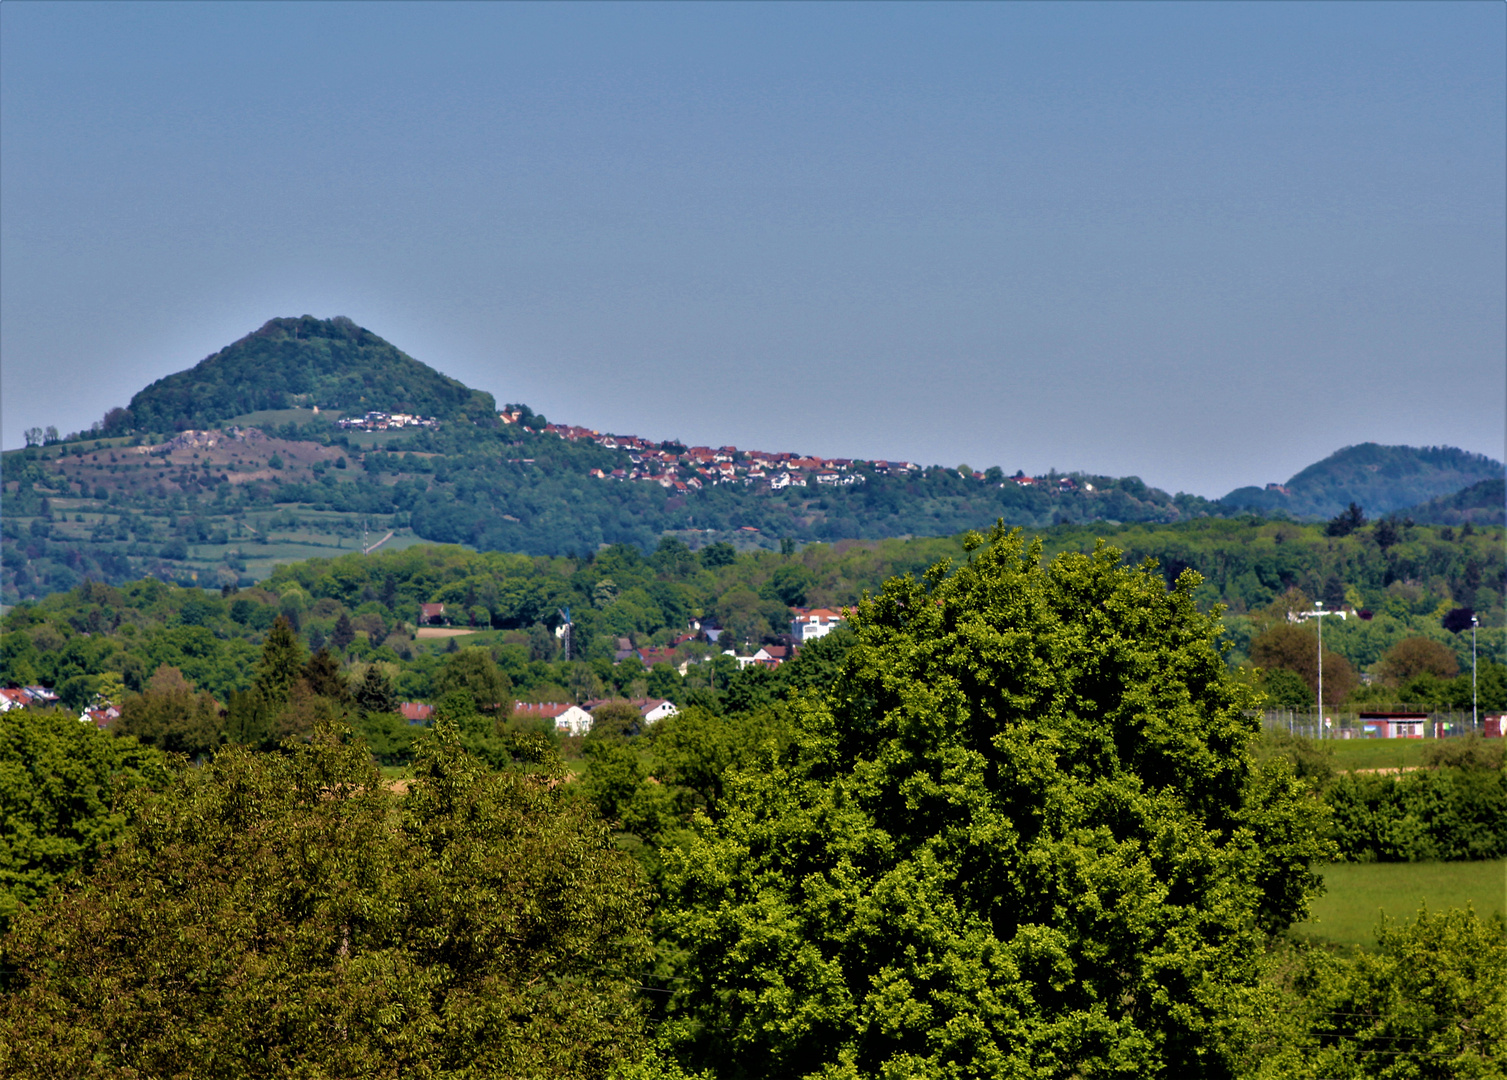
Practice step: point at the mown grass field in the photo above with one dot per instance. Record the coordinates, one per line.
(1359, 894)
(1378, 753)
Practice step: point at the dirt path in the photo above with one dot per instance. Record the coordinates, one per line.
(441, 631)
(379, 543)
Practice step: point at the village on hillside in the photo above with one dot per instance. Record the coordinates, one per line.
(692, 468)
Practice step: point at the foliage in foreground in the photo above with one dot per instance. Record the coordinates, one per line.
(1428, 1003)
(60, 782)
(1023, 835)
(289, 915)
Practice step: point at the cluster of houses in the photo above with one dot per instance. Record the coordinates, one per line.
(39, 697)
(381, 421)
(701, 466)
(1064, 483)
(568, 718)
(19, 697)
(806, 624)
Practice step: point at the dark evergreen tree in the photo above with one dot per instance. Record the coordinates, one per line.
(323, 675)
(1346, 521)
(281, 664)
(375, 693)
(343, 634)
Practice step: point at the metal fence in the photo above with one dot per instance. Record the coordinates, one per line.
(1346, 723)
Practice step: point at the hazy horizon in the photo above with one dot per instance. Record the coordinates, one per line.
(1203, 244)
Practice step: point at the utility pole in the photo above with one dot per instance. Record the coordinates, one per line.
(1318, 613)
(1475, 718)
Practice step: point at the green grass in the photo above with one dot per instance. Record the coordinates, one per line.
(1378, 753)
(269, 417)
(1358, 894)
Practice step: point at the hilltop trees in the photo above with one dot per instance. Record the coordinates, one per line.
(1022, 835)
(332, 363)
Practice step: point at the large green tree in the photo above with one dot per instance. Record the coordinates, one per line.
(473, 672)
(1024, 835)
(60, 783)
(282, 915)
(171, 715)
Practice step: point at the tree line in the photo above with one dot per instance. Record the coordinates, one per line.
(1019, 821)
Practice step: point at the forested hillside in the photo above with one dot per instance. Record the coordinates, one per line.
(366, 607)
(226, 505)
(1383, 479)
(1484, 503)
(289, 363)
(260, 473)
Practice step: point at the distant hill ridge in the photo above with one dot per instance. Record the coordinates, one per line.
(154, 499)
(1480, 504)
(298, 363)
(1382, 479)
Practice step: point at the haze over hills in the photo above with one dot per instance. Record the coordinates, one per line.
(262, 453)
(1484, 503)
(1383, 479)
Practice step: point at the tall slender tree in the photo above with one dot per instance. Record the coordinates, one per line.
(281, 663)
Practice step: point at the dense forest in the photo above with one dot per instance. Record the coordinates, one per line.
(1017, 816)
(1403, 639)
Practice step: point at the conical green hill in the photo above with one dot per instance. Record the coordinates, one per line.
(303, 362)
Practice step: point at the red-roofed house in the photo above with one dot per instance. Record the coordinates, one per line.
(100, 718)
(431, 614)
(568, 718)
(770, 656)
(652, 710)
(810, 623)
(416, 712)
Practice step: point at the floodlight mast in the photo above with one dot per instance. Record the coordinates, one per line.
(1318, 613)
(1475, 718)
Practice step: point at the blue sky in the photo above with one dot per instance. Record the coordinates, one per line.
(1206, 244)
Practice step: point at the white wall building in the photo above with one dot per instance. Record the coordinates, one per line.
(811, 623)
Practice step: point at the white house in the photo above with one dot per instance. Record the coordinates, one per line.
(811, 623)
(655, 710)
(571, 719)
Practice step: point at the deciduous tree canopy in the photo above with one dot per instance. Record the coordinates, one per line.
(280, 915)
(1022, 836)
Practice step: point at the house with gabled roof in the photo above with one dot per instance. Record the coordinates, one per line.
(811, 623)
(566, 716)
(416, 712)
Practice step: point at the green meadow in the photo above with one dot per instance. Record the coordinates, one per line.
(1352, 754)
(1358, 895)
